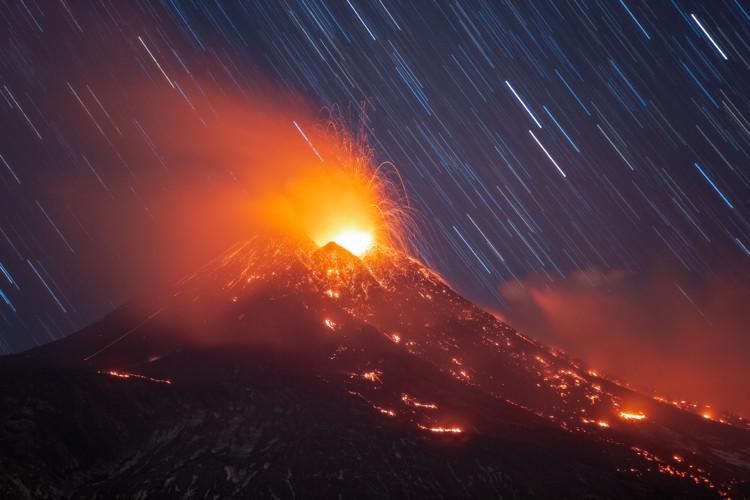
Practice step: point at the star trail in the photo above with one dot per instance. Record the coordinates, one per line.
(536, 138)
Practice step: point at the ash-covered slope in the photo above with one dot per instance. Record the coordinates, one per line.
(285, 371)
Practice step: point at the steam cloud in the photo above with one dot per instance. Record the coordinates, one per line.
(652, 333)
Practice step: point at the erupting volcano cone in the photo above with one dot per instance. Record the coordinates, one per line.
(284, 369)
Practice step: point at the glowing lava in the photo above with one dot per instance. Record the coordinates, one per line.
(441, 430)
(355, 241)
(345, 205)
(632, 416)
(127, 375)
(347, 198)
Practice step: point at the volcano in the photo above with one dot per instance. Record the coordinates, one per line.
(285, 370)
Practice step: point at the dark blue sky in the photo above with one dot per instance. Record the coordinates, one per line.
(536, 138)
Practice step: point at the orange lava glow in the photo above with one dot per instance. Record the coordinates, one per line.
(408, 400)
(442, 430)
(372, 376)
(338, 206)
(385, 411)
(632, 416)
(340, 195)
(356, 241)
(126, 375)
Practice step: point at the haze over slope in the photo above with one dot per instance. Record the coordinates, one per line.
(281, 367)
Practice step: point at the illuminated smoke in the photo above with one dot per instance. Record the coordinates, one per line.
(652, 334)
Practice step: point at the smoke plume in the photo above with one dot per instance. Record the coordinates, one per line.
(682, 342)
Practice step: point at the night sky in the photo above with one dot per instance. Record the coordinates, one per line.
(542, 143)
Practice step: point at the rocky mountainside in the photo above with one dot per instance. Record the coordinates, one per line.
(283, 370)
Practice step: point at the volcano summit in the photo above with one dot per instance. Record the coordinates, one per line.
(284, 370)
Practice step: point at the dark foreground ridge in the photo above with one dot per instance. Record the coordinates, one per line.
(285, 371)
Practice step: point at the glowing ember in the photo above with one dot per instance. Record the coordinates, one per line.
(602, 423)
(119, 374)
(541, 360)
(695, 474)
(385, 411)
(442, 430)
(632, 416)
(408, 400)
(329, 323)
(373, 376)
(396, 338)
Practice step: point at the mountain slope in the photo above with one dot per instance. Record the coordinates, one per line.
(283, 370)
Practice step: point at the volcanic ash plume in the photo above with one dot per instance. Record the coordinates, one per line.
(225, 167)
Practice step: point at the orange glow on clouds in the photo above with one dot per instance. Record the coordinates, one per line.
(703, 345)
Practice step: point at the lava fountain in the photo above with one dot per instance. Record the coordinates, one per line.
(342, 196)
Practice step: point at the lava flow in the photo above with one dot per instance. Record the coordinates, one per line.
(632, 416)
(126, 375)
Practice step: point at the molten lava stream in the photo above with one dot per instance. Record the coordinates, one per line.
(127, 375)
(441, 429)
(632, 416)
